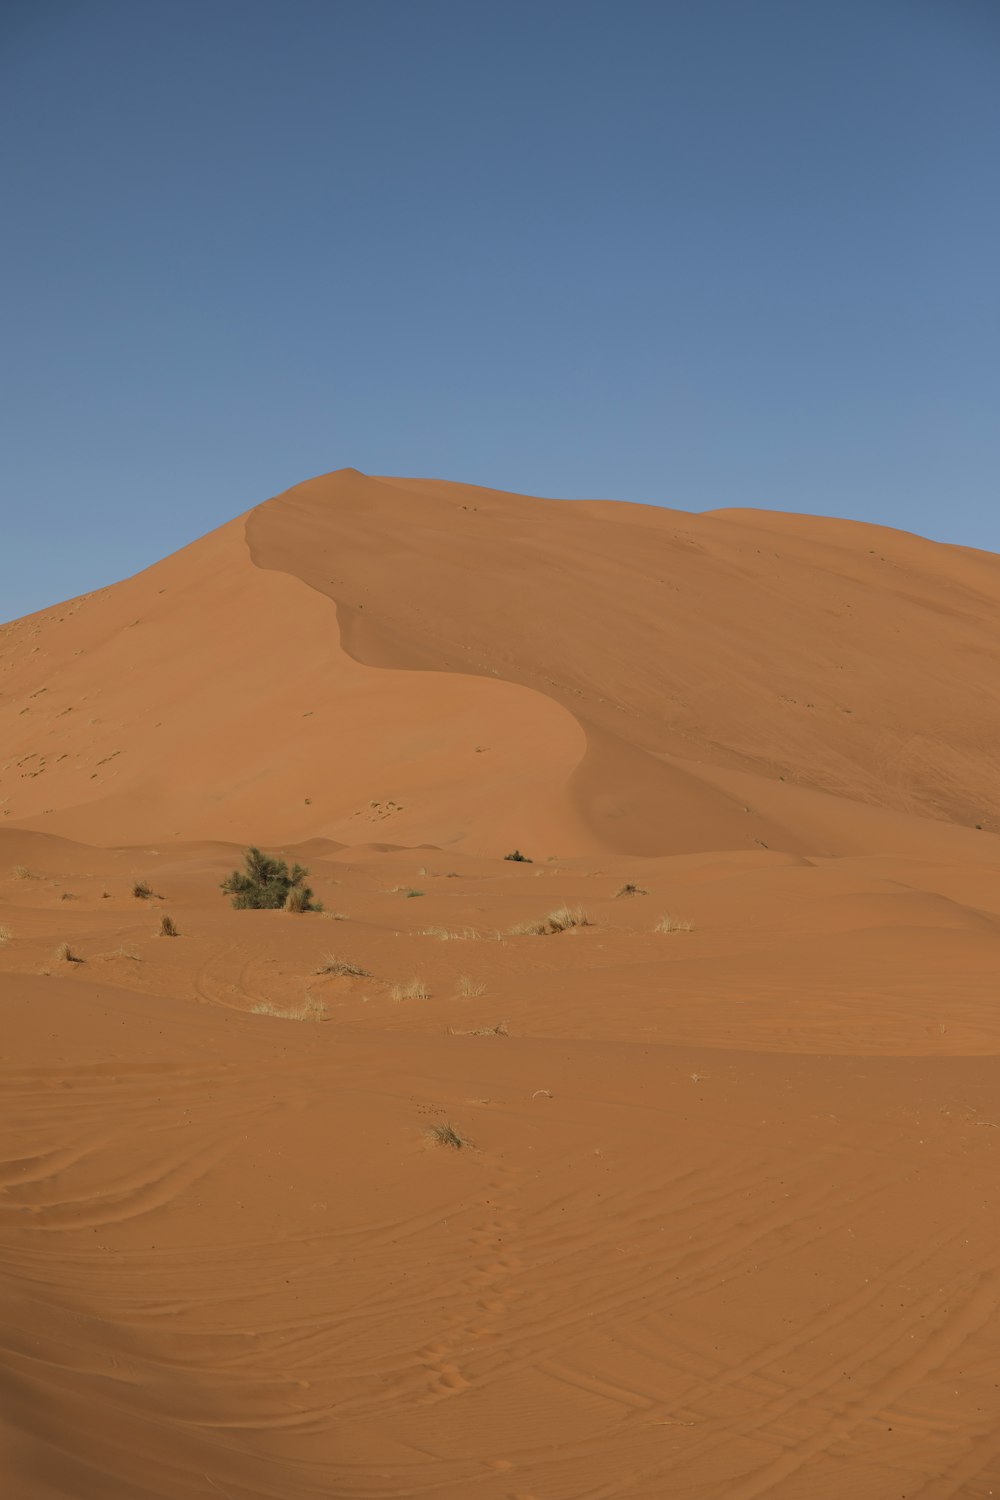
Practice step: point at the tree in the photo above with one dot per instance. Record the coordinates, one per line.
(268, 884)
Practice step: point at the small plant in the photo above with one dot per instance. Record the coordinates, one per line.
(469, 988)
(168, 927)
(65, 955)
(142, 890)
(264, 884)
(21, 872)
(298, 899)
(406, 890)
(632, 890)
(123, 952)
(341, 966)
(519, 858)
(447, 1135)
(5, 935)
(335, 916)
(560, 920)
(673, 924)
(415, 990)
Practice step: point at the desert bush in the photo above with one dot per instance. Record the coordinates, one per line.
(142, 890)
(629, 889)
(265, 884)
(168, 927)
(519, 858)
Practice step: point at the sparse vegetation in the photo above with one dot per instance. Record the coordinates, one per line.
(518, 858)
(469, 988)
(168, 927)
(560, 920)
(5, 935)
(500, 1029)
(447, 1135)
(309, 1010)
(142, 890)
(265, 884)
(343, 967)
(406, 890)
(299, 898)
(65, 955)
(629, 889)
(415, 990)
(673, 924)
(21, 872)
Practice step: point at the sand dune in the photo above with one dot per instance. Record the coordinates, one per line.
(724, 1221)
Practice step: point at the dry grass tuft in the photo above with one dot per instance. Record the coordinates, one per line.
(309, 1010)
(342, 967)
(632, 890)
(469, 988)
(408, 891)
(560, 920)
(415, 990)
(448, 934)
(500, 1029)
(447, 1135)
(65, 955)
(298, 899)
(5, 935)
(334, 916)
(142, 890)
(21, 872)
(673, 924)
(168, 927)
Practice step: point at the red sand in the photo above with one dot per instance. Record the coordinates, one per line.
(725, 1225)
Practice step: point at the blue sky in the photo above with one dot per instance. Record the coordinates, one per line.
(696, 252)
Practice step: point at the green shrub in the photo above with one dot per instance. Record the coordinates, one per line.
(266, 884)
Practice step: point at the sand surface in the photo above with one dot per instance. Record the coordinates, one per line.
(724, 1223)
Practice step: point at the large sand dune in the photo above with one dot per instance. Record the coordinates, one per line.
(725, 1224)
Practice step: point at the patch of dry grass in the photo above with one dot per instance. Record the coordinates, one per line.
(65, 955)
(342, 967)
(447, 1135)
(629, 889)
(673, 924)
(5, 935)
(168, 927)
(449, 934)
(309, 1010)
(469, 988)
(21, 872)
(408, 891)
(415, 990)
(142, 890)
(560, 920)
(500, 1029)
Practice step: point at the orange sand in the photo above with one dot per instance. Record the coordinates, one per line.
(726, 1223)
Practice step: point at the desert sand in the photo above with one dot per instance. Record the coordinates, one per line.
(723, 1223)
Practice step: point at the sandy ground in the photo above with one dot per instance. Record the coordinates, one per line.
(724, 1220)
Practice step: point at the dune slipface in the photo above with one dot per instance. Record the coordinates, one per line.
(689, 1190)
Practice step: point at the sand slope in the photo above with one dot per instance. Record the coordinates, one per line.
(724, 1224)
(576, 674)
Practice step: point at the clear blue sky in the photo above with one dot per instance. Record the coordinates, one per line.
(696, 252)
